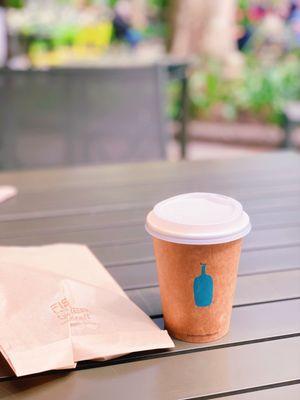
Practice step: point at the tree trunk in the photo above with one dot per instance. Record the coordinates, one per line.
(204, 27)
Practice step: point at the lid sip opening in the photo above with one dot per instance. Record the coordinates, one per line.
(198, 218)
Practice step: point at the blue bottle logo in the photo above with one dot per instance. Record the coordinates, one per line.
(203, 288)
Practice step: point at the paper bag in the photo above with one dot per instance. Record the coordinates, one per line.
(105, 324)
(72, 261)
(7, 192)
(32, 338)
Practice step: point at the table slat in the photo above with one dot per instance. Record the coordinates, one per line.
(262, 238)
(290, 392)
(144, 274)
(210, 372)
(249, 324)
(250, 289)
(53, 204)
(119, 218)
(273, 165)
(134, 251)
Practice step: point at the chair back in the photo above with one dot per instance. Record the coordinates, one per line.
(82, 116)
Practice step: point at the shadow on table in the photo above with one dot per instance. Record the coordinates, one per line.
(13, 385)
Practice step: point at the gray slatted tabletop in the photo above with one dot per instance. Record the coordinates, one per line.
(105, 208)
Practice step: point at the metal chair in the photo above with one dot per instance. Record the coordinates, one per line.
(291, 121)
(82, 116)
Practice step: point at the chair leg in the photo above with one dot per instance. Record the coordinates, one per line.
(287, 130)
(184, 100)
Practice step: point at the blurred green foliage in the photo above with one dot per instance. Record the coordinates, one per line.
(14, 3)
(243, 7)
(159, 4)
(259, 93)
(112, 3)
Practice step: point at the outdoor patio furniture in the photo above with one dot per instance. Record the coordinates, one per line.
(179, 71)
(105, 208)
(82, 116)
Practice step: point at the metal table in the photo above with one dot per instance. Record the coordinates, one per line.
(105, 208)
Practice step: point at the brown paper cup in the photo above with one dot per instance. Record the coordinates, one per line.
(197, 284)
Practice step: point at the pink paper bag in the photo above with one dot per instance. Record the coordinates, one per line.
(7, 192)
(72, 261)
(32, 338)
(105, 324)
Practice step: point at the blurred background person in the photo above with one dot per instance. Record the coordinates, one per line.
(123, 23)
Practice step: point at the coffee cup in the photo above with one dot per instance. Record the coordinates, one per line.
(197, 243)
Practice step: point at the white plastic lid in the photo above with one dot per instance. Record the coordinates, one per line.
(198, 218)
